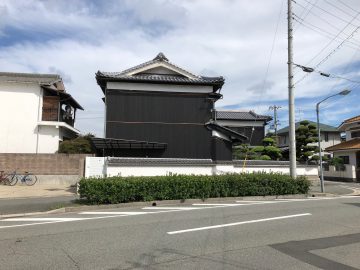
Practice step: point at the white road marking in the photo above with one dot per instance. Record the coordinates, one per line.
(115, 213)
(41, 219)
(170, 208)
(218, 204)
(255, 202)
(238, 223)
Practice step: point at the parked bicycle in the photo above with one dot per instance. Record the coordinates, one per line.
(4, 179)
(27, 178)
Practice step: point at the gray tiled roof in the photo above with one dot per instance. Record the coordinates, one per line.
(101, 76)
(323, 128)
(28, 77)
(161, 78)
(241, 115)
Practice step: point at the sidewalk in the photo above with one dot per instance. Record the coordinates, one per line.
(23, 191)
(37, 198)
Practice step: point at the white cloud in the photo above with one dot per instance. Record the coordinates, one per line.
(229, 38)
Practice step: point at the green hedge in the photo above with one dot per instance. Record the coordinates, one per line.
(132, 189)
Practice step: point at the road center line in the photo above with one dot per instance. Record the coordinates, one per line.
(238, 223)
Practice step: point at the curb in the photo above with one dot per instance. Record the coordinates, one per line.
(72, 209)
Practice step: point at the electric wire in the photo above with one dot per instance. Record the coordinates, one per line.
(349, 7)
(266, 75)
(334, 50)
(326, 33)
(328, 12)
(307, 10)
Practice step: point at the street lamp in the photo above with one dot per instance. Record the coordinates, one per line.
(342, 93)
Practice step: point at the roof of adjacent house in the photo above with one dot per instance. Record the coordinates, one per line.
(353, 144)
(234, 136)
(352, 119)
(241, 115)
(139, 74)
(29, 77)
(344, 125)
(323, 128)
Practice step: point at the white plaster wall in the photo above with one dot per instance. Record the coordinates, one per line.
(157, 170)
(159, 87)
(333, 139)
(48, 139)
(240, 123)
(351, 154)
(19, 114)
(96, 167)
(350, 172)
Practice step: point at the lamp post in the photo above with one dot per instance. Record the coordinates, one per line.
(342, 93)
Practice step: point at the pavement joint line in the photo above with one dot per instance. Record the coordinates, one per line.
(237, 223)
(171, 208)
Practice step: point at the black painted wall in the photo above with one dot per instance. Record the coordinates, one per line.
(174, 118)
(221, 149)
(257, 137)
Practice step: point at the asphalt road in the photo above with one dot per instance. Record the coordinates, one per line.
(37, 204)
(281, 234)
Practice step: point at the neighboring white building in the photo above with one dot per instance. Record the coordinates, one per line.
(348, 151)
(36, 113)
(329, 135)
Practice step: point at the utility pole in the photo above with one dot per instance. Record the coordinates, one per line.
(292, 145)
(276, 122)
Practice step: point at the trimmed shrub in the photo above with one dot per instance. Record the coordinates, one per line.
(175, 187)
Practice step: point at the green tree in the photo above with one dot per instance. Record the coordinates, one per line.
(306, 134)
(79, 145)
(267, 151)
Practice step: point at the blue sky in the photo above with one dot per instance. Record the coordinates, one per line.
(244, 41)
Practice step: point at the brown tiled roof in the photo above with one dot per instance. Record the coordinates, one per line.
(352, 119)
(348, 145)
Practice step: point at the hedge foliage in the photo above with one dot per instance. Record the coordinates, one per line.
(175, 187)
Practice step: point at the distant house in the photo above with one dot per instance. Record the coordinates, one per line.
(348, 151)
(249, 123)
(157, 109)
(36, 113)
(329, 135)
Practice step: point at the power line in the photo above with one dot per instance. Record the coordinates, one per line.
(307, 10)
(266, 73)
(326, 33)
(325, 74)
(349, 7)
(330, 13)
(334, 50)
(335, 6)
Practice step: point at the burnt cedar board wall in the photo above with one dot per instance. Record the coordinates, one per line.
(257, 137)
(174, 118)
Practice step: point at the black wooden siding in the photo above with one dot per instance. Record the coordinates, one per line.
(257, 136)
(174, 118)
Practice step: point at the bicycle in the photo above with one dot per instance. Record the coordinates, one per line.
(4, 178)
(28, 178)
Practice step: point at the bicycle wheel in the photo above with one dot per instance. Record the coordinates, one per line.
(12, 179)
(30, 179)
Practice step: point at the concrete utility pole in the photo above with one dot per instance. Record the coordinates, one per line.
(292, 145)
(276, 122)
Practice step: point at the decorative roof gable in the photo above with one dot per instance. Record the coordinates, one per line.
(158, 70)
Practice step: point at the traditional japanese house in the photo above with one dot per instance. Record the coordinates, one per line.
(157, 109)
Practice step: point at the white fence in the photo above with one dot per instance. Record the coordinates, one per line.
(100, 167)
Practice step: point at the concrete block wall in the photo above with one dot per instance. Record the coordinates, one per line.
(44, 164)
